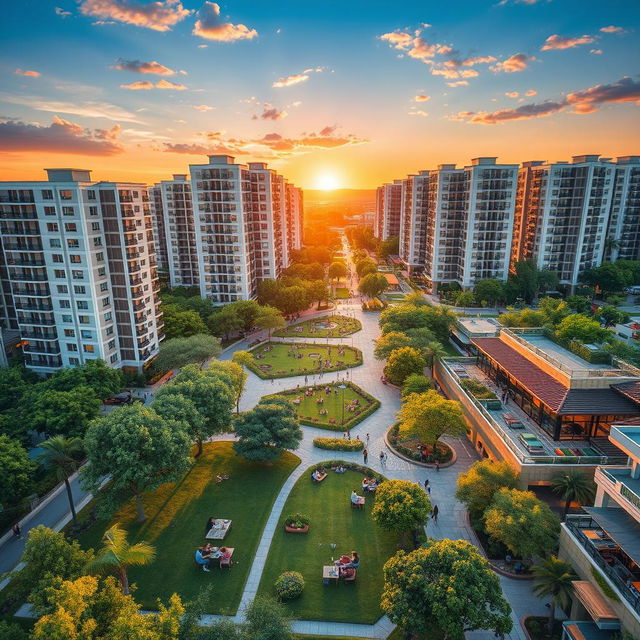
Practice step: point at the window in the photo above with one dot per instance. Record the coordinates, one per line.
(47, 194)
(65, 304)
(108, 316)
(57, 257)
(82, 304)
(74, 361)
(80, 289)
(97, 242)
(86, 335)
(100, 257)
(93, 211)
(67, 211)
(52, 227)
(69, 333)
(113, 358)
(75, 258)
(70, 227)
(109, 330)
(106, 302)
(111, 344)
(73, 244)
(55, 243)
(72, 347)
(66, 318)
(65, 194)
(91, 194)
(77, 275)
(88, 348)
(102, 272)
(95, 226)
(84, 320)
(49, 211)
(104, 286)
(59, 273)
(62, 288)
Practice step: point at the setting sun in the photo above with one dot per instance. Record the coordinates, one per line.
(327, 182)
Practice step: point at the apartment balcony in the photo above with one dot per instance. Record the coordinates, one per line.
(53, 349)
(18, 215)
(22, 290)
(618, 481)
(135, 280)
(17, 261)
(39, 320)
(33, 305)
(134, 268)
(38, 334)
(28, 277)
(22, 246)
(15, 198)
(143, 343)
(43, 361)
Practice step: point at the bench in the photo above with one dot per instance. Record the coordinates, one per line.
(320, 479)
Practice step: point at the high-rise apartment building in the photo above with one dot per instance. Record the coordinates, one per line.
(413, 223)
(623, 234)
(80, 263)
(388, 210)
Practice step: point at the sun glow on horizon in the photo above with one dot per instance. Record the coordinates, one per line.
(327, 182)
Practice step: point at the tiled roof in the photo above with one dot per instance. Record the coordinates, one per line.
(540, 384)
(629, 389)
(597, 402)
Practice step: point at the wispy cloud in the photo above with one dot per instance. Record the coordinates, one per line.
(611, 29)
(160, 15)
(421, 98)
(458, 83)
(61, 136)
(596, 52)
(202, 107)
(61, 12)
(504, 115)
(528, 2)
(137, 66)
(513, 64)
(296, 78)
(269, 112)
(418, 112)
(211, 26)
(512, 94)
(145, 85)
(27, 73)
(565, 42)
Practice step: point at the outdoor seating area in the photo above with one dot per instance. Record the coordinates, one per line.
(329, 326)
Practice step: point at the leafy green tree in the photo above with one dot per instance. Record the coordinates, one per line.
(389, 342)
(317, 291)
(16, 471)
(402, 363)
(234, 372)
(553, 579)
(49, 557)
(118, 445)
(490, 291)
(416, 299)
(447, 585)
(293, 299)
(179, 352)
(405, 317)
(477, 486)
(432, 352)
(416, 383)
(266, 619)
(181, 324)
(224, 322)
(268, 290)
(62, 455)
(579, 304)
(608, 277)
(581, 328)
(610, 315)
(95, 374)
(524, 524)
(554, 310)
(178, 407)
(401, 506)
(526, 279)
(547, 280)
(243, 358)
(247, 311)
(465, 299)
(428, 416)
(524, 318)
(270, 318)
(12, 631)
(623, 351)
(117, 554)
(573, 486)
(337, 270)
(389, 247)
(373, 284)
(267, 430)
(365, 267)
(14, 383)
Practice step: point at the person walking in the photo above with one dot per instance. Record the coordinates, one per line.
(367, 439)
(434, 513)
(382, 458)
(365, 455)
(437, 465)
(348, 434)
(426, 483)
(17, 531)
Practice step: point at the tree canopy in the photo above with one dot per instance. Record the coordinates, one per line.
(181, 324)
(178, 352)
(489, 291)
(405, 317)
(581, 328)
(402, 363)
(16, 471)
(416, 383)
(373, 284)
(401, 506)
(337, 270)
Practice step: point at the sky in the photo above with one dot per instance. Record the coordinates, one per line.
(344, 94)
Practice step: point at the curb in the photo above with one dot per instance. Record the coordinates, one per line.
(426, 465)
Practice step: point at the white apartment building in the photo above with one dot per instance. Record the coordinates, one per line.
(623, 234)
(388, 210)
(80, 263)
(157, 221)
(562, 215)
(413, 223)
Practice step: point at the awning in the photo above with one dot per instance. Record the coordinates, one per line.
(594, 602)
(621, 527)
(581, 630)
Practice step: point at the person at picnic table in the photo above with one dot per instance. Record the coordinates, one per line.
(369, 484)
(356, 499)
(203, 558)
(354, 563)
(210, 523)
(225, 554)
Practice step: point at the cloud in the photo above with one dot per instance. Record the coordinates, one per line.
(512, 94)
(418, 112)
(527, 2)
(160, 15)
(288, 81)
(504, 115)
(210, 26)
(27, 73)
(531, 92)
(136, 66)
(61, 136)
(611, 29)
(421, 98)
(589, 100)
(470, 62)
(597, 52)
(454, 73)
(272, 113)
(62, 13)
(562, 42)
(145, 85)
(513, 64)
(202, 107)
(458, 83)
(398, 39)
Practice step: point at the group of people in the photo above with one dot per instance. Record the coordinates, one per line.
(319, 474)
(356, 499)
(347, 565)
(206, 553)
(369, 484)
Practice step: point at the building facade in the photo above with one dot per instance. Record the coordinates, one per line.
(413, 223)
(623, 233)
(80, 262)
(388, 210)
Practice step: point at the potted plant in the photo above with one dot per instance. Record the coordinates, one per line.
(297, 523)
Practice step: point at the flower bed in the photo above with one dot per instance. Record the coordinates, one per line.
(297, 523)
(478, 390)
(374, 305)
(334, 326)
(410, 448)
(338, 444)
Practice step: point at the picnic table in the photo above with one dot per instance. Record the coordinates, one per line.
(218, 554)
(330, 572)
(219, 529)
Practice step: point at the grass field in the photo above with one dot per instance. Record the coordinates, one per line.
(333, 521)
(175, 525)
(309, 409)
(334, 326)
(276, 359)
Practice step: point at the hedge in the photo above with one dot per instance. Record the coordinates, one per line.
(352, 466)
(338, 444)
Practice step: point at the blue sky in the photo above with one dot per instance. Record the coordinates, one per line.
(366, 91)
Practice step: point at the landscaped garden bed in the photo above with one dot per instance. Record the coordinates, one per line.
(334, 326)
(537, 628)
(337, 529)
(338, 444)
(175, 526)
(335, 406)
(418, 451)
(287, 359)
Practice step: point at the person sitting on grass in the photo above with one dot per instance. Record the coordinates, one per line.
(203, 558)
(355, 561)
(356, 499)
(319, 474)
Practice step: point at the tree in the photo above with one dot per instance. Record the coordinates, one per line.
(16, 471)
(181, 324)
(477, 486)
(317, 291)
(266, 619)
(365, 267)
(547, 280)
(526, 279)
(428, 416)
(270, 318)
(247, 311)
(291, 300)
(389, 342)
(489, 291)
(267, 430)
(95, 374)
(447, 585)
(573, 486)
(405, 317)
(178, 352)
(268, 290)
(389, 247)
(416, 383)
(401, 506)
(244, 358)
(62, 455)
(178, 407)
(402, 363)
(524, 524)
(553, 310)
(118, 445)
(432, 352)
(465, 299)
(224, 322)
(12, 631)
(373, 284)
(117, 554)
(212, 395)
(553, 578)
(49, 558)
(579, 304)
(611, 316)
(14, 383)
(337, 270)
(581, 328)
(234, 372)
(524, 318)
(416, 299)
(608, 277)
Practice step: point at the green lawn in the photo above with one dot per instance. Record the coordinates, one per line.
(334, 326)
(176, 517)
(278, 359)
(342, 293)
(333, 521)
(309, 409)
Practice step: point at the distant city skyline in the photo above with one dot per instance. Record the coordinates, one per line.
(347, 96)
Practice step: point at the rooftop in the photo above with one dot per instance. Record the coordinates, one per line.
(563, 356)
(479, 326)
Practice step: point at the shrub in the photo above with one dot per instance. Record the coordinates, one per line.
(442, 452)
(297, 520)
(289, 585)
(477, 389)
(338, 444)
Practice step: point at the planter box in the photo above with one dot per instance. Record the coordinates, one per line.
(289, 529)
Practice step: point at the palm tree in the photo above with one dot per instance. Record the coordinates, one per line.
(433, 351)
(554, 577)
(62, 455)
(572, 486)
(118, 554)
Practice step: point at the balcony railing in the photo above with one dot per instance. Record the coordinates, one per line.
(617, 477)
(50, 349)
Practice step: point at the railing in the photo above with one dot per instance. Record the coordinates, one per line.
(621, 487)
(575, 524)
